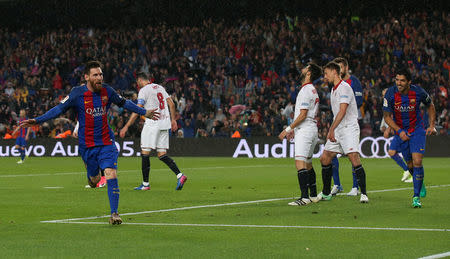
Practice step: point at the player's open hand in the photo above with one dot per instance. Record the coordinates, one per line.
(431, 131)
(404, 135)
(123, 131)
(330, 135)
(27, 123)
(174, 125)
(152, 114)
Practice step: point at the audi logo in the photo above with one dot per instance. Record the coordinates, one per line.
(376, 145)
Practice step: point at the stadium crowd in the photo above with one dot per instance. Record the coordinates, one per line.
(226, 78)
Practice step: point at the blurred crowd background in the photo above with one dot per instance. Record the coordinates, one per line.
(225, 76)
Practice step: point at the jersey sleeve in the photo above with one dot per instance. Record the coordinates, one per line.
(122, 102)
(358, 91)
(424, 96)
(345, 95)
(62, 107)
(141, 97)
(304, 99)
(388, 101)
(165, 94)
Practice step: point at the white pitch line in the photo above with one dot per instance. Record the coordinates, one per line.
(212, 205)
(53, 187)
(264, 226)
(167, 210)
(159, 169)
(436, 256)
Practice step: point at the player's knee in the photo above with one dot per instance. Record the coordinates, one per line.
(392, 152)
(110, 173)
(417, 162)
(161, 153)
(145, 151)
(325, 159)
(354, 158)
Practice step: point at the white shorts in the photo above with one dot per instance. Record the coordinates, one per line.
(347, 140)
(154, 138)
(305, 141)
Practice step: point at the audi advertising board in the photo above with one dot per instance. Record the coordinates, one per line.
(258, 147)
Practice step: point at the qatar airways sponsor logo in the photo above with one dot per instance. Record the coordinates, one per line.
(408, 108)
(98, 111)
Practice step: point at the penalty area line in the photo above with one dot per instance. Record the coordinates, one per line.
(153, 170)
(214, 205)
(260, 226)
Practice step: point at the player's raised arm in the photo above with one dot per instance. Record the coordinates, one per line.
(129, 105)
(54, 112)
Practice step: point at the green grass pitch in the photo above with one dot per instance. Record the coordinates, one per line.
(46, 189)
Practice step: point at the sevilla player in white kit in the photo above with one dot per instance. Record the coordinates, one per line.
(343, 135)
(155, 133)
(304, 129)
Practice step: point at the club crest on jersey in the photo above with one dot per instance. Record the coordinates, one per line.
(413, 101)
(104, 98)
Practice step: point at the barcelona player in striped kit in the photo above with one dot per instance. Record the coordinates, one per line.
(401, 106)
(21, 140)
(91, 102)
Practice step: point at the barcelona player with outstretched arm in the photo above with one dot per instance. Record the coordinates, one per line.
(91, 102)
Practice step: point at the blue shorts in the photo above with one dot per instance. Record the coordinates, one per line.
(417, 141)
(99, 157)
(21, 142)
(415, 144)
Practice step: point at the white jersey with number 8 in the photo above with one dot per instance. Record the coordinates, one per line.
(154, 96)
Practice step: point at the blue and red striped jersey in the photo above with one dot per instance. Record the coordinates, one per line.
(406, 107)
(354, 82)
(92, 111)
(22, 131)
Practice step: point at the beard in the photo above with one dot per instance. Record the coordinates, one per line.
(97, 85)
(302, 77)
(343, 75)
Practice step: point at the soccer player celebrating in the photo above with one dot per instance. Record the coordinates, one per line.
(357, 91)
(343, 135)
(305, 134)
(91, 102)
(401, 106)
(21, 141)
(155, 134)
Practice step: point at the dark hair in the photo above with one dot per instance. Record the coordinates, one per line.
(315, 70)
(404, 72)
(142, 75)
(333, 66)
(341, 60)
(91, 64)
